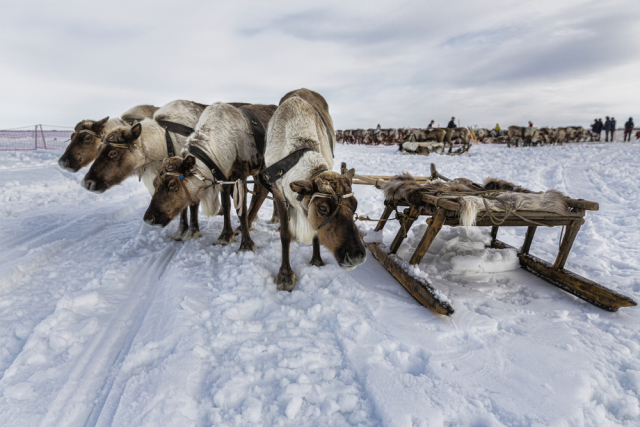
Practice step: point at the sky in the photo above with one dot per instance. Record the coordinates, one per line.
(397, 64)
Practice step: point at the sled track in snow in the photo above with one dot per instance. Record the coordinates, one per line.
(96, 381)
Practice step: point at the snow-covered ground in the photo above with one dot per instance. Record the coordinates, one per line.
(107, 321)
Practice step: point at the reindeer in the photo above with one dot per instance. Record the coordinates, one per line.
(87, 135)
(221, 148)
(313, 202)
(516, 133)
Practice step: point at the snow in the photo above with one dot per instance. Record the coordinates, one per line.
(107, 321)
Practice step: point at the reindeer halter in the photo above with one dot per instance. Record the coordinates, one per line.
(333, 196)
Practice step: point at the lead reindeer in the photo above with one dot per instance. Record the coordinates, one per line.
(223, 147)
(313, 202)
(87, 136)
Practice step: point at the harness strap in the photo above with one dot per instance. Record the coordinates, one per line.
(257, 130)
(323, 122)
(277, 170)
(204, 158)
(175, 128)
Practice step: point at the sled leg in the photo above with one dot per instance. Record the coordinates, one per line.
(404, 229)
(494, 232)
(531, 231)
(385, 216)
(432, 231)
(567, 242)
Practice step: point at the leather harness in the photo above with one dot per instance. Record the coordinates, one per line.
(175, 128)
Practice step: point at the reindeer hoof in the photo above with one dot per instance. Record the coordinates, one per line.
(192, 234)
(248, 246)
(286, 280)
(238, 231)
(318, 262)
(225, 239)
(179, 235)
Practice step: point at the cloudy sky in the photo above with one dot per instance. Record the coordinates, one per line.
(394, 63)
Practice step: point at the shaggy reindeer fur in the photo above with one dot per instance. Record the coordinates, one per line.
(224, 133)
(186, 113)
(404, 188)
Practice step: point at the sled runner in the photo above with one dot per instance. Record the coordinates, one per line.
(445, 202)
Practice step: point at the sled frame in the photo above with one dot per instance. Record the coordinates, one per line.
(445, 212)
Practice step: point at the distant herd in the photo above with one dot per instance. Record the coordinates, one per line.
(190, 155)
(514, 135)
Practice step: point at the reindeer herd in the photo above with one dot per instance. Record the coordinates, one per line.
(190, 155)
(513, 136)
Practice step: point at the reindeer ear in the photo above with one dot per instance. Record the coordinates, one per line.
(136, 130)
(350, 174)
(98, 126)
(304, 187)
(188, 163)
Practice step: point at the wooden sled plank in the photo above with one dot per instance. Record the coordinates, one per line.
(583, 288)
(419, 288)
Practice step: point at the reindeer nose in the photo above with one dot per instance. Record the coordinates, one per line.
(64, 163)
(89, 184)
(149, 218)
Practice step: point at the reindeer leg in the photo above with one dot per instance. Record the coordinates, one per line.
(286, 278)
(226, 236)
(194, 227)
(316, 259)
(257, 199)
(182, 228)
(246, 244)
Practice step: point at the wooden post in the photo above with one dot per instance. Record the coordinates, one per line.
(385, 216)
(413, 213)
(567, 242)
(35, 137)
(432, 231)
(528, 238)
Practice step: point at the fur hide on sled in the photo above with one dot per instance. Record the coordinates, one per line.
(404, 188)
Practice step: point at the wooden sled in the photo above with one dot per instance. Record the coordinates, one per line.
(445, 212)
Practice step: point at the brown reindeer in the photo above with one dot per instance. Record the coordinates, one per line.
(313, 202)
(86, 138)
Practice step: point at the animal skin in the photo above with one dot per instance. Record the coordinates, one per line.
(404, 188)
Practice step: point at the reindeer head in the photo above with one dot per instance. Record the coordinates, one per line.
(330, 210)
(84, 144)
(119, 155)
(170, 197)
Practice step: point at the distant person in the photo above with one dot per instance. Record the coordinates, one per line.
(613, 127)
(607, 130)
(597, 128)
(452, 123)
(430, 125)
(530, 124)
(497, 126)
(628, 128)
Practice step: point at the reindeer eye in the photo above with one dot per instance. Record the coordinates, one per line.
(323, 209)
(111, 138)
(112, 154)
(170, 167)
(173, 185)
(87, 138)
